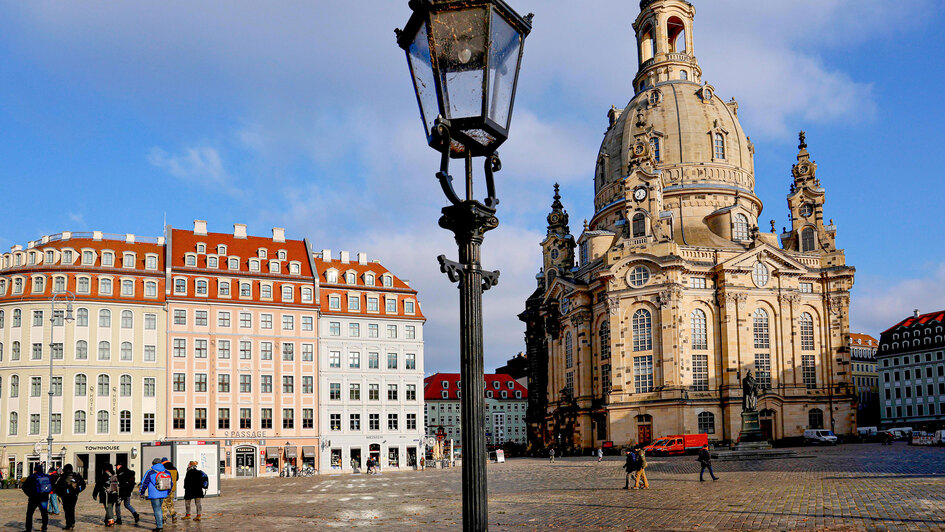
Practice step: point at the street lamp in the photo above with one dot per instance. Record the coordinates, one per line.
(68, 298)
(464, 58)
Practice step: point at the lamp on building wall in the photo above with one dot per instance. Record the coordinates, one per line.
(464, 58)
(68, 298)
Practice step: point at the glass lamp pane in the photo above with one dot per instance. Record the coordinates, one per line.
(503, 64)
(459, 40)
(424, 82)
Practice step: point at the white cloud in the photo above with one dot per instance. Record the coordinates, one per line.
(879, 303)
(201, 165)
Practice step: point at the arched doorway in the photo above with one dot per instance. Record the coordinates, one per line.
(766, 419)
(374, 450)
(644, 428)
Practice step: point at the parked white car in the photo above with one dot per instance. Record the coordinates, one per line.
(822, 436)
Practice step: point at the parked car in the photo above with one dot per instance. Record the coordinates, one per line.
(821, 436)
(938, 438)
(901, 433)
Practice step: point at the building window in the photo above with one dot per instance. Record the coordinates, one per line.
(308, 384)
(372, 304)
(642, 330)
(807, 239)
(410, 392)
(807, 332)
(763, 370)
(180, 286)
(392, 422)
(643, 374)
(568, 385)
(223, 382)
(102, 427)
(334, 328)
(815, 418)
(223, 418)
(354, 330)
(354, 422)
(180, 382)
(373, 330)
(246, 418)
(124, 386)
(373, 360)
(149, 387)
(354, 360)
(288, 418)
(760, 274)
(700, 373)
(809, 371)
(719, 146)
(14, 418)
(127, 287)
(760, 329)
(374, 392)
(308, 352)
(246, 384)
(391, 392)
(706, 423)
(410, 361)
(180, 420)
(699, 329)
(334, 359)
(354, 391)
(104, 351)
(410, 332)
(392, 331)
(604, 377)
(390, 305)
(288, 351)
(806, 288)
(568, 351)
(124, 421)
(334, 391)
(78, 423)
(334, 422)
(603, 334)
(391, 360)
(740, 227)
(84, 285)
(639, 276)
(80, 386)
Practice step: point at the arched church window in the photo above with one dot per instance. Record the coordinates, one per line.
(655, 145)
(719, 145)
(639, 225)
(683, 75)
(807, 332)
(604, 335)
(815, 418)
(568, 351)
(676, 31)
(699, 335)
(647, 44)
(706, 423)
(807, 239)
(760, 329)
(642, 330)
(740, 227)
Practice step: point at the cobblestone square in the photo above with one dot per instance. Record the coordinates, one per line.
(849, 487)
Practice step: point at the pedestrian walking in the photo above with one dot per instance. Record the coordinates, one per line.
(600, 454)
(126, 485)
(106, 491)
(705, 459)
(156, 486)
(168, 507)
(641, 473)
(631, 466)
(551, 454)
(195, 481)
(37, 488)
(53, 506)
(68, 487)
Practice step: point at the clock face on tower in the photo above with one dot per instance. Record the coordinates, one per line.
(806, 210)
(639, 194)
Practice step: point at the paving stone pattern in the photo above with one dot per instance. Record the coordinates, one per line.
(849, 487)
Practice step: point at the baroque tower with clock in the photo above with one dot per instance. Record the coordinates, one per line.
(677, 291)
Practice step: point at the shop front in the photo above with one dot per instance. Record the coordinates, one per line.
(87, 459)
(260, 458)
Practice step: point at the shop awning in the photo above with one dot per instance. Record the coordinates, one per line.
(292, 452)
(308, 451)
(272, 452)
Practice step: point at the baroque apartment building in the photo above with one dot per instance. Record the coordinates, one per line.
(242, 324)
(370, 359)
(678, 287)
(911, 365)
(109, 366)
(863, 349)
(506, 405)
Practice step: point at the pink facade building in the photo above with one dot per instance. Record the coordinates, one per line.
(241, 348)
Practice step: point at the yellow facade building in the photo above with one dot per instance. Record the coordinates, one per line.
(677, 290)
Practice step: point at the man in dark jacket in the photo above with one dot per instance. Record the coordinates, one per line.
(631, 466)
(705, 459)
(38, 496)
(193, 489)
(106, 492)
(68, 487)
(126, 485)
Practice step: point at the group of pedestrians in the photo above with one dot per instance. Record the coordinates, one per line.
(636, 468)
(113, 489)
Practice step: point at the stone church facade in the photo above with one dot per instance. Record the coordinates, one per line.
(644, 325)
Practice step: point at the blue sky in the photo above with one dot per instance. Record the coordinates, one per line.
(114, 115)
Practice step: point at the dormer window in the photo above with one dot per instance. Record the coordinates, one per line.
(32, 258)
(295, 268)
(495, 384)
(246, 290)
(518, 394)
(201, 287)
(180, 286)
(190, 260)
(212, 262)
(17, 286)
(50, 257)
(66, 257)
(369, 279)
(281, 254)
(38, 284)
(331, 276)
(287, 293)
(128, 260)
(446, 384)
(334, 302)
(233, 263)
(273, 266)
(108, 259)
(444, 394)
(265, 291)
(201, 248)
(88, 258)
(221, 249)
(740, 227)
(511, 385)
(350, 278)
(409, 307)
(307, 294)
(253, 265)
(388, 280)
(262, 253)
(489, 394)
(505, 394)
(719, 146)
(151, 262)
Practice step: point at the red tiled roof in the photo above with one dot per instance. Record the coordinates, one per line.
(433, 386)
(864, 339)
(938, 316)
(341, 288)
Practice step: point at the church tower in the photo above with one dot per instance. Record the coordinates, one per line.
(806, 200)
(558, 246)
(664, 43)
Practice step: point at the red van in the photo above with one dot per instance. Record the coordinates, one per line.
(681, 443)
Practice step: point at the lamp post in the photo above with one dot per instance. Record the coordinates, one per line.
(68, 298)
(464, 58)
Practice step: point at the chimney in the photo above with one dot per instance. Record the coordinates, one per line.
(345, 257)
(362, 258)
(129, 238)
(239, 230)
(200, 227)
(326, 255)
(278, 234)
(915, 313)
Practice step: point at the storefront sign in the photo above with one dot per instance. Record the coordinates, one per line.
(244, 434)
(101, 448)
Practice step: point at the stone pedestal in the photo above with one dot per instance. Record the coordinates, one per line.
(751, 437)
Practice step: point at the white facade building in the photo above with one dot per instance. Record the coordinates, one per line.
(506, 403)
(370, 366)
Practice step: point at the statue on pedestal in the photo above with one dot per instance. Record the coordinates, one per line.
(749, 393)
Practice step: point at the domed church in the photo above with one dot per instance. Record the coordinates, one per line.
(679, 288)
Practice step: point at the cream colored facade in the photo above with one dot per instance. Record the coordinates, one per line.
(109, 366)
(677, 291)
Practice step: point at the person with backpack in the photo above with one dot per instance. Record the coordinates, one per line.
(641, 472)
(126, 485)
(631, 466)
(195, 482)
(705, 459)
(68, 487)
(106, 491)
(53, 505)
(168, 507)
(156, 486)
(37, 487)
